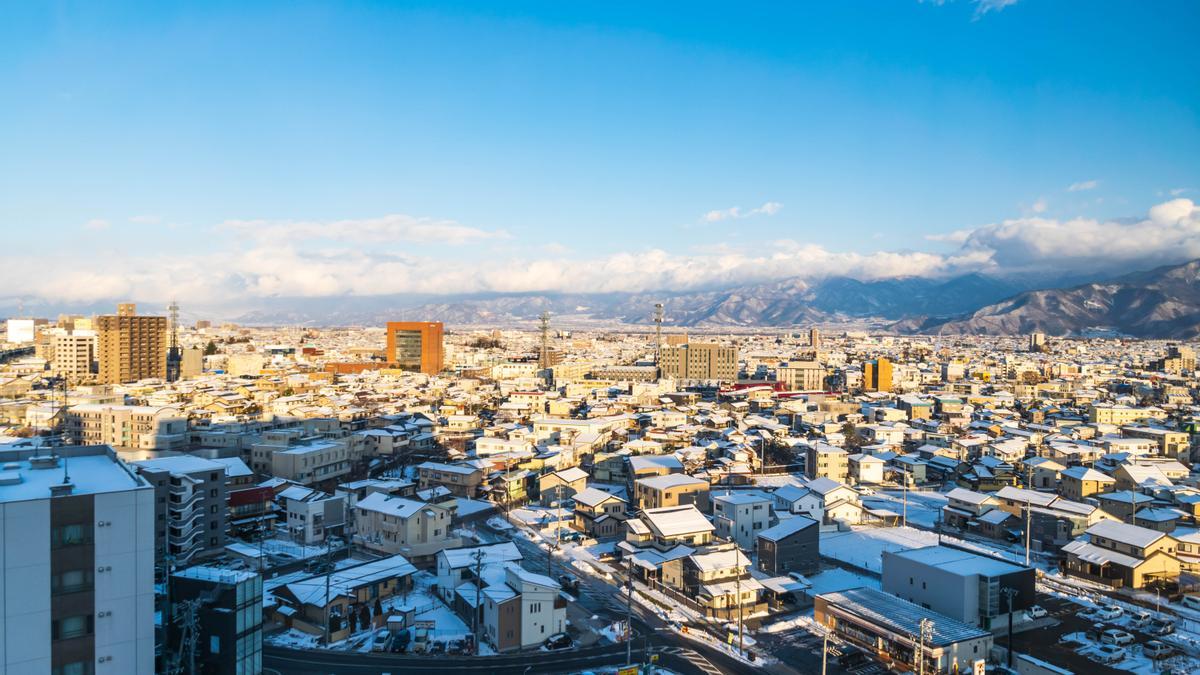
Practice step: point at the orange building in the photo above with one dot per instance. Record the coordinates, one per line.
(415, 346)
(877, 375)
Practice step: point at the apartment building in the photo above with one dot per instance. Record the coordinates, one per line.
(823, 460)
(304, 459)
(311, 515)
(802, 375)
(77, 588)
(127, 426)
(460, 480)
(190, 507)
(394, 525)
(700, 361)
(131, 347)
(73, 355)
(674, 489)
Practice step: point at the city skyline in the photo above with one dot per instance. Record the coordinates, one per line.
(241, 154)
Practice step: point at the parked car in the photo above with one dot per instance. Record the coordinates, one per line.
(1191, 601)
(381, 640)
(437, 648)
(400, 641)
(1161, 627)
(1109, 654)
(1156, 649)
(1140, 619)
(1116, 636)
(1107, 612)
(866, 491)
(558, 641)
(569, 583)
(1036, 612)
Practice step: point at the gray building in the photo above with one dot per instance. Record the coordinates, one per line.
(189, 506)
(791, 546)
(965, 586)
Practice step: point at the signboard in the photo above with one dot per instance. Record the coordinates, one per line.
(631, 670)
(980, 667)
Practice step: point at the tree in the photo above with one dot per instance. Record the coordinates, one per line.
(210, 348)
(854, 440)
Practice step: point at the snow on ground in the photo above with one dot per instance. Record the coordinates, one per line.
(863, 547)
(467, 507)
(924, 508)
(293, 639)
(499, 524)
(1134, 661)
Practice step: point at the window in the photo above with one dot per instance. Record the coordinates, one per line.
(70, 535)
(71, 582)
(76, 668)
(70, 627)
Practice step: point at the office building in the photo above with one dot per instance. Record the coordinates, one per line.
(131, 347)
(228, 606)
(77, 542)
(1037, 342)
(415, 346)
(189, 506)
(966, 586)
(802, 375)
(700, 361)
(877, 375)
(814, 338)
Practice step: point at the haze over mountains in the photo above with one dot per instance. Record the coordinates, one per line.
(1164, 302)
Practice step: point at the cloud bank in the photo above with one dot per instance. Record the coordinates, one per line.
(379, 256)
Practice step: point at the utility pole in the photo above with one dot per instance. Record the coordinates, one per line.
(328, 574)
(825, 651)
(1132, 507)
(904, 511)
(926, 628)
(1027, 520)
(737, 568)
(544, 323)
(1008, 595)
(478, 555)
(629, 615)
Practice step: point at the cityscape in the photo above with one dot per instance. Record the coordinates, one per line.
(616, 339)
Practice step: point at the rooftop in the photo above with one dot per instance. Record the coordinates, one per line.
(900, 616)
(98, 472)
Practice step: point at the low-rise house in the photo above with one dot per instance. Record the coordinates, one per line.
(1081, 482)
(740, 516)
(865, 469)
(669, 527)
(674, 489)
(350, 590)
(391, 525)
(791, 546)
(1122, 556)
(562, 484)
(599, 514)
(462, 480)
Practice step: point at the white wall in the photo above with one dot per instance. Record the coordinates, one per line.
(125, 543)
(25, 587)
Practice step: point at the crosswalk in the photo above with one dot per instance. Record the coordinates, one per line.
(695, 658)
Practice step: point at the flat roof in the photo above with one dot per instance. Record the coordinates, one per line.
(891, 613)
(95, 473)
(959, 562)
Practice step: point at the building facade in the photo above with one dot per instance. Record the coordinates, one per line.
(415, 346)
(700, 361)
(131, 347)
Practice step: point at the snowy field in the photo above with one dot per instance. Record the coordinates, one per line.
(864, 547)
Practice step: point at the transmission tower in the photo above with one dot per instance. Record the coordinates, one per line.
(658, 319)
(174, 356)
(544, 322)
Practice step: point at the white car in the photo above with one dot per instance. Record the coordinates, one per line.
(1116, 636)
(1036, 612)
(1107, 612)
(1109, 654)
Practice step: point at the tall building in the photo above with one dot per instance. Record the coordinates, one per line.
(1037, 342)
(877, 375)
(77, 584)
(228, 612)
(814, 338)
(700, 361)
(802, 375)
(131, 347)
(127, 426)
(72, 355)
(415, 346)
(189, 507)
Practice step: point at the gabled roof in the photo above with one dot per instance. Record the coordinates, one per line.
(1087, 473)
(594, 497)
(1133, 535)
(677, 520)
(786, 528)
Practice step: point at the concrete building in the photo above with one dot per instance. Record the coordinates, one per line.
(802, 375)
(881, 622)
(965, 586)
(791, 546)
(823, 460)
(131, 347)
(700, 361)
(311, 515)
(73, 355)
(877, 375)
(77, 584)
(189, 506)
(127, 426)
(415, 346)
(229, 617)
(395, 525)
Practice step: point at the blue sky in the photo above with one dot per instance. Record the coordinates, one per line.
(316, 149)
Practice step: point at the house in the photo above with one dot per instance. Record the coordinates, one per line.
(964, 506)
(669, 527)
(675, 489)
(1043, 473)
(1122, 556)
(717, 581)
(350, 590)
(559, 485)
(647, 466)
(740, 516)
(1080, 482)
(462, 480)
(312, 515)
(866, 469)
(599, 514)
(791, 546)
(390, 525)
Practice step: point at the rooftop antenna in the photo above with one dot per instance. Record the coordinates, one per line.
(174, 357)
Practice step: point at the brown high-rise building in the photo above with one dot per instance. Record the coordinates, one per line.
(700, 361)
(131, 347)
(415, 346)
(877, 375)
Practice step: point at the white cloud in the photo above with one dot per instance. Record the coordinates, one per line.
(394, 227)
(97, 224)
(984, 6)
(1083, 185)
(256, 264)
(736, 212)
(1040, 205)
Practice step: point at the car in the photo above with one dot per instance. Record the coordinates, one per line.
(796, 576)
(569, 583)
(1109, 654)
(1139, 619)
(1036, 612)
(1106, 612)
(852, 658)
(1116, 636)
(1157, 649)
(455, 647)
(400, 641)
(437, 648)
(381, 640)
(558, 641)
(866, 491)
(1161, 627)
(1191, 601)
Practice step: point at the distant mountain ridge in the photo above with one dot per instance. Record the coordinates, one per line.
(1160, 303)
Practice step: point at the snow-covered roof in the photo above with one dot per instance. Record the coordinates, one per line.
(381, 502)
(676, 520)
